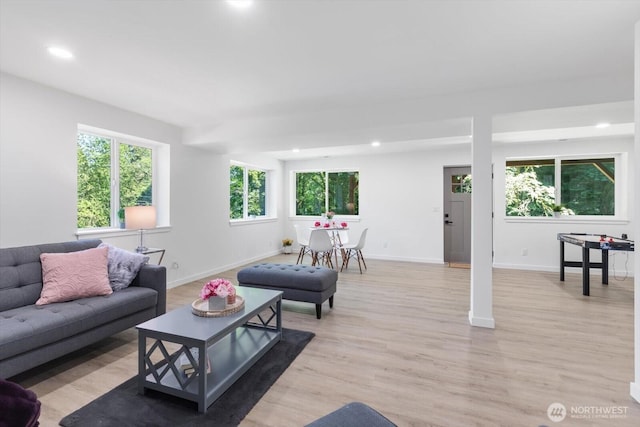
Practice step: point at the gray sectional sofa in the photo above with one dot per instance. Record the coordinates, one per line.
(31, 335)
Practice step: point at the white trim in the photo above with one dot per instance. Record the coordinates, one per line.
(117, 232)
(294, 191)
(567, 219)
(269, 202)
(482, 322)
(439, 261)
(345, 218)
(621, 178)
(250, 221)
(634, 390)
(136, 140)
(157, 170)
(223, 268)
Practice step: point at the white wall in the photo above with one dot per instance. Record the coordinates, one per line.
(538, 237)
(401, 201)
(401, 194)
(38, 127)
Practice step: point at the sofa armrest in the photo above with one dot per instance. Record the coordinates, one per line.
(154, 277)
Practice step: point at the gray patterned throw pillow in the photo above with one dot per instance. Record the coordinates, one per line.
(123, 266)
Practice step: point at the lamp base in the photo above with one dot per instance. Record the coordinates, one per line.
(141, 249)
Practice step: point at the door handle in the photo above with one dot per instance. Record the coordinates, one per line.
(448, 222)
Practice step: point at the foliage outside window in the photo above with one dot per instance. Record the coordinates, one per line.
(247, 192)
(461, 183)
(112, 174)
(319, 192)
(587, 186)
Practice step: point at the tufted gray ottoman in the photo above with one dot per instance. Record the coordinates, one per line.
(297, 282)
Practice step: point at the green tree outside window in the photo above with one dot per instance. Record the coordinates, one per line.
(587, 187)
(247, 187)
(97, 163)
(319, 192)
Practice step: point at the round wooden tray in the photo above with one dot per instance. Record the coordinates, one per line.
(200, 307)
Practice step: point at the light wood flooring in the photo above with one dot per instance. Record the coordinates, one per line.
(399, 340)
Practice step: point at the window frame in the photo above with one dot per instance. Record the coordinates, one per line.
(268, 201)
(116, 139)
(620, 187)
(294, 192)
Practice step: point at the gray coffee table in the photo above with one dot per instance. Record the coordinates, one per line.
(232, 345)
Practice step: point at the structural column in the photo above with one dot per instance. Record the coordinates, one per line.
(635, 386)
(481, 312)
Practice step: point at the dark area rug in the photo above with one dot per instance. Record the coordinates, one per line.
(124, 407)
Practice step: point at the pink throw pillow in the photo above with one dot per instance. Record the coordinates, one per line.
(73, 275)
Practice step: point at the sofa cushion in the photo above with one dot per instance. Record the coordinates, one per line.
(21, 271)
(23, 329)
(74, 275)
(123, 266)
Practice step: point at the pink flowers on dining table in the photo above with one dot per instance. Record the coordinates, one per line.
(217, 288)
(343, 224)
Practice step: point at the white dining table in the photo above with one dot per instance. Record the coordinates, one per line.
(335, 238)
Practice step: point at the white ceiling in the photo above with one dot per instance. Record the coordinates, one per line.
(200, 64)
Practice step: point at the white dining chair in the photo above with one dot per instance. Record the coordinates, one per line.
(354, 251)
(302, 236)
(321, 248)
(342, 238)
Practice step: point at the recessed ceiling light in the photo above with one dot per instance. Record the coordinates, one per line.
(375, 144)
(60, 52)
(603, 125)
(240, 4)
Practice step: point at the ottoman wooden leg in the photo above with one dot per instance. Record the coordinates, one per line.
(318, 311)
(331, 301)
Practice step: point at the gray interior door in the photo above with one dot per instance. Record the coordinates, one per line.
(457, 214)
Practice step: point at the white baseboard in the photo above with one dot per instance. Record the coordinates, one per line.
(634, 390)
(219, 269)
(404, 259)
(556, 269)
(482, 322)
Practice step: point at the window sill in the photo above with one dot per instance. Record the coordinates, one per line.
(339, 218)
(115, 232)
(567, 219)
(249, 221)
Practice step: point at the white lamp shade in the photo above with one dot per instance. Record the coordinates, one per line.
(140, 217)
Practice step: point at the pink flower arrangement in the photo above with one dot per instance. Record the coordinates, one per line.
(327, 225)
(221, 288)
(343, 224)
(317, 224)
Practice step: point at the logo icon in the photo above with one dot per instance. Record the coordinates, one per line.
(556, 412)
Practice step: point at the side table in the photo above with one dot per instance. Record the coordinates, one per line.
(149, 251)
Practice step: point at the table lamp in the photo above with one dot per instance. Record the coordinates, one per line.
(140, 218)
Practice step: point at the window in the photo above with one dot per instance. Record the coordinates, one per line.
(319, 192)
(112, 173)
(247, 192)
(461, 184)
(587, 186)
